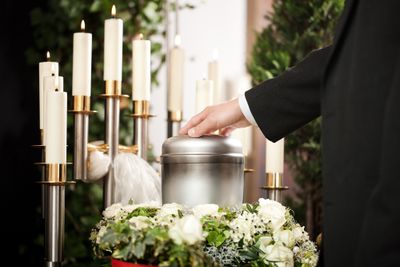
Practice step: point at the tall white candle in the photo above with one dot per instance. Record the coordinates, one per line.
(82, 62)
(113, 31)
(46, 68)
(175, 73)
(244, 136)
(141, 70)
(214, 75)
(274, 156)
(204, 94)
(56, 127)
(50, 84)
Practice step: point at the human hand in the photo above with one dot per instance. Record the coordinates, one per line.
(224, 117)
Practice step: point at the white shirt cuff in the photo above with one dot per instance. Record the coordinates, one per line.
(244, 107)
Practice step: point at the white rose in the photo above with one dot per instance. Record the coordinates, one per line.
(299, 233)
(205, 209)
(273, 212)
(285, 237)
(112, 211)
(101, 233)
(263, 242)
(281, 255)
(139, 222)
(186, 230)
(170, 209)
(129, 208)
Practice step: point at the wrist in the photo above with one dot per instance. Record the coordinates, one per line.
(245, 109)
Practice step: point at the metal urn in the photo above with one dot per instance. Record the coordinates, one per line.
(207, 169)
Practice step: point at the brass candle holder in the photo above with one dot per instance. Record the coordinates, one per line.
(274, 186)
(141, 115)
(174, 122)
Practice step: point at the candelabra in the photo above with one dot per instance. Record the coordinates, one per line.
(174, 122)
(274, 186)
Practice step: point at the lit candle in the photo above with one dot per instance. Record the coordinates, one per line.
(47, 68)
(274, 156)
(214, 75)
(82, 62)
(141, 71)
(204, 94)
(113, 30)
(56, 126)
(175, 73)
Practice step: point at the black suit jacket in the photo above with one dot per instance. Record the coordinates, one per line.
(355, 86)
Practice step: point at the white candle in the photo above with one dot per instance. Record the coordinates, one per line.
(175, 73)
(47, 68)
(214, 75)
(82, 62)
(274, 156)
(113, 31)
(244, 136)
(56, 127)
(204, 94)
(141, 71)
(50, 83)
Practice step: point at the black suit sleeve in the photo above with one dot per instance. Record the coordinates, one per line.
(289, 101)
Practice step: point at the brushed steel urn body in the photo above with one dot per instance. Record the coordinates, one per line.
(208, 169)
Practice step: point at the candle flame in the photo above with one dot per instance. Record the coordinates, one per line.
(113, 11)
(48, 55)
(178, 40)
(140, 36)
(83, 25)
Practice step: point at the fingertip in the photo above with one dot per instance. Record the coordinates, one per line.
(192, 132)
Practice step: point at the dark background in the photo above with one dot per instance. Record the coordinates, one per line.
(20, 195)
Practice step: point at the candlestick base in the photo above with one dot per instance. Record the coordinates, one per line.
(274, 186)
(112, 95)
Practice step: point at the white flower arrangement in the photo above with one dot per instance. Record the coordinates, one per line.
(261, 234)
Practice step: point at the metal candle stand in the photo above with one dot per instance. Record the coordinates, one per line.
(141, 115)
(54, 180)
(81, 113)
(112, 97)
(174, 123)
(274, 186)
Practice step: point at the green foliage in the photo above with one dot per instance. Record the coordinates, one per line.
(296, 28)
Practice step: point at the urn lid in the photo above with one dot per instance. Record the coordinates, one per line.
(205, 145)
